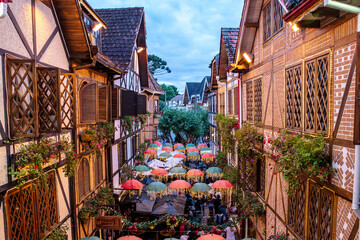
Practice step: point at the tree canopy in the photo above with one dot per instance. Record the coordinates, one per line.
(171, 91)
(185, 125)
(157, 66)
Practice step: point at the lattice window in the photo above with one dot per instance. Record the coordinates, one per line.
(249, 101)
(98, 170)
(317, 95)
(48, 99)
(32, 210)
(22, 98)
(293, 97)
(257, 101)
(297, 210)
(261, 176)
(67, 100)
(115, 103)
(88, 103)
(230, 102)
(267, 22)
(236, 100)
(83, 178)
(278, 17)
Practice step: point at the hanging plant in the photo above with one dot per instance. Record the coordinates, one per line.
(224, 128)
(127, 173)
(221, 159)
(143, 118)
(59, 233)
(298, 156)
(250, 206)
(128, 123)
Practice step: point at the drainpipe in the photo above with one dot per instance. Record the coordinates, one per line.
(147, 132)
(356, 140)
(223, 84)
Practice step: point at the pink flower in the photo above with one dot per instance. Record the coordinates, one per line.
(52, 156)
(252, 160)
(84, 131)
(284, 137)
(36, 167)
(97, 138)
(277, 236)
(82, 143)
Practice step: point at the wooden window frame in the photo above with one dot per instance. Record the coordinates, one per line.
(82, 168)
(236, 100)
(98, 170)
(293, 95)
(36, 207)
(273, 22)
(313, 88)
(254, 101)
(229, 103)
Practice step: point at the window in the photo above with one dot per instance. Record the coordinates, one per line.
(317, 95)
(98, 167)
(94, 36)
(222, 103)
(293, 97)
(318, 218)
(122, 153)
(236, 100)
(83, 178)
(93, 103)
(156, 105)
(32, 210)
(67, 100)
(272, 19)
(230, 102)
(254, 101)
(155, 132)
(34, 99)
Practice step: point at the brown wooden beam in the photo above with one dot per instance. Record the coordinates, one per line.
(251, 24)
(357, 97)
(354, 230)
(47, 43)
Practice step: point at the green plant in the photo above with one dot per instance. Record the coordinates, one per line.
(230, 174)
(221, 159)
(280, 236)
(225, 126)
(250, 206)
(142, 118)
(298, 156)
(139, 158)
(143, 146)
(128, 122)
(71, 157)
(127, 173)
(59, 233)
(247, 138)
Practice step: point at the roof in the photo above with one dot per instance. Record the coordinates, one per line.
(177, 98)
(193, 88)
(119, 39)
(154, 86)
(229, 37)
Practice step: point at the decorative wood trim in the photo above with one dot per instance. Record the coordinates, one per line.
(354, 230)
(21, 34)
(33, 19)
(63, 191)
(47, 43)
(267, 101)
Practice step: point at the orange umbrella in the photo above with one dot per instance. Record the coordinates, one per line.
(166, 149)
(179, 184)
(178, 144)
(207, 155)
(195, 174)
(159, 171)
(157, 143)
(132, 184)
(193, 149)
(130, 237)
(210, 237)
(149, 151)
(201, 145)
(179, 155)
(222, 184)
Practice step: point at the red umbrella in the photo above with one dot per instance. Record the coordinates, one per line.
(166, 149)
(207, 155)
(195, 172)
(202, 145)
(179, 155)
(222, 184)
(130, 237)
(193, 149)
(179, 184)
(210, 237)
(157, 143)
(132, 184)
(178, 144)
(159, 171)
(149, 151)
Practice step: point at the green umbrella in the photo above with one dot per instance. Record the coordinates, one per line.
(178, 170)
(200, 187)
(91, 238)
(168, 145)
(193, 154)
(156, 187)
(214, 170)
(153, 146)
(171, 239)
(205, 149)
(190, 145)
(180, 148)
(142, 168)
(165, 155)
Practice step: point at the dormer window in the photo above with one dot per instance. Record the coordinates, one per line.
(93, 30)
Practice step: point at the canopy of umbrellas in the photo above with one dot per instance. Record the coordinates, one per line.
(167, 162)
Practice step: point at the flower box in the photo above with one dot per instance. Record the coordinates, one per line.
(85, 137)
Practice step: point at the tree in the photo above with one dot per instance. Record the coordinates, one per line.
(171, 91)
(157, 66)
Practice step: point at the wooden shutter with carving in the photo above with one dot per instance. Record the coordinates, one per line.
(88, 103)
(128, 103)
(102, 103)
(141, 104)
(115, 98)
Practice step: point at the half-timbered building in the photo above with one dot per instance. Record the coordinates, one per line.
(297, 63)
(195, 93)
(124, 42)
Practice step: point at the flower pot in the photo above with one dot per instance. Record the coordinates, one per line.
(85, 137)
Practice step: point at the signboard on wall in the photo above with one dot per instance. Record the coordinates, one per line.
(108, 222)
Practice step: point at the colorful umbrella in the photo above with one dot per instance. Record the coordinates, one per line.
(156, 189)
(199, 189)
(192, 149)
(157, 143)
(171, 239)
(142, 168)
(223, 186)
(132, 185)
(164, 155)
(178, 144)
(207, 158)
(214, 172)
(91, 238)
(160, 173)
(193, 156)
(167, 149)
(211, 237)
(153, 146)
(178, 171)
(180, 148)
(195, 174)
(168, 145)
(189, 145)
(179, 155)
(130, 237)
(205, 150)
(179, 186)
(201, 145)
(151, 153)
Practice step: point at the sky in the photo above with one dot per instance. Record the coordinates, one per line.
(185, 33)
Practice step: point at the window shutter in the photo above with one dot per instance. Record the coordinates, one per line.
(128, 103)
(86, 177)
(141, 104)
(81, 180)
(236, 100)
(88, 103)
(115, 113)
(103, 103)
(48, 99)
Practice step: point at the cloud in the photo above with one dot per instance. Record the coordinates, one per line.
(184, 33)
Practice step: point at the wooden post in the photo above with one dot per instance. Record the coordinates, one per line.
(356, 139)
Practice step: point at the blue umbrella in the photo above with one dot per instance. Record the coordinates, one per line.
(146, 181)
(91, 238)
